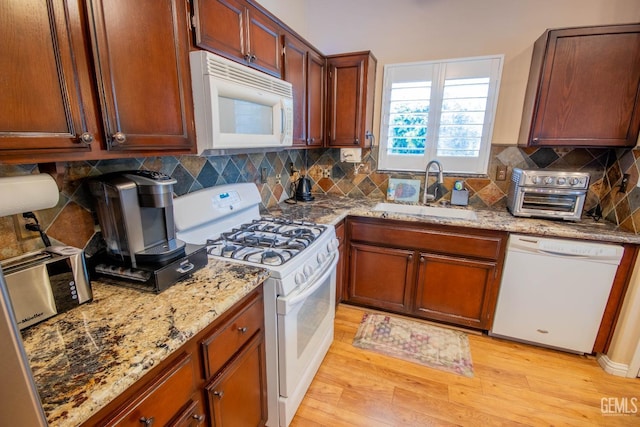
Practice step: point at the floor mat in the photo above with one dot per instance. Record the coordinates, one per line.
(428, 345)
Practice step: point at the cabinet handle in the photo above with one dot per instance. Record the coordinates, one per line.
(219, 394)
(242, 330)
(146, 421)
(85, 138)
(198, 418)
(119, 138)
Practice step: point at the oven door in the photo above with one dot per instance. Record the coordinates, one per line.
(305, 332)
(551, 203)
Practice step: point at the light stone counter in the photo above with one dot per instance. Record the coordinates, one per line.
(329, 209)
(83, 359)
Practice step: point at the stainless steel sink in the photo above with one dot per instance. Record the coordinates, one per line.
(426, 211)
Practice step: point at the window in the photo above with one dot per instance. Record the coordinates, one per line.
(441, 110)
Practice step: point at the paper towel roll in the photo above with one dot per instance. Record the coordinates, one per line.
(26, 193)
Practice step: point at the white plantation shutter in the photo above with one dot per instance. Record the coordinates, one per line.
(440, 110)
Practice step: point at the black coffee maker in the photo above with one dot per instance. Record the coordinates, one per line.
(135, 212)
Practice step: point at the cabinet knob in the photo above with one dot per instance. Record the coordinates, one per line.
(253, 58)
(198, 418)
(146, 421)
(242, 330)
(86, 138)
(119, 138)
(410, 257)
(219, 394)
(356, 141)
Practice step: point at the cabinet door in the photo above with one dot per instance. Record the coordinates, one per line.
(588, 93)
(141, 56)
(350, 111)
(220, 27)
(456, 290)
(316, 98)
(380, 277)
(295, 72)
(47, 104)
(264, 42)
(237, 396)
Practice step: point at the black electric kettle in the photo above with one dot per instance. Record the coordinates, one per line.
(303, 189)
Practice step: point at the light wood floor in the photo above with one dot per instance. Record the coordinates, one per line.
(514, 384)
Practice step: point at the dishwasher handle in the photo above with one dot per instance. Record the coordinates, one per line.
(566, 248)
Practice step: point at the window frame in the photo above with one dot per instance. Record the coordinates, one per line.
(439, 71)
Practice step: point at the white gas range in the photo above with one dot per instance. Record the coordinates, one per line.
(299, 293)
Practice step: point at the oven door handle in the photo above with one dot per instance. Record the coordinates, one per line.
(304, 293)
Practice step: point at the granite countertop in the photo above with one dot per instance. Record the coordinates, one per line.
(328, 209)
(84, 358)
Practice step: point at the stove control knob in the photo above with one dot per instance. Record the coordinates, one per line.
(548, 180)
(574, 181)
(562, 180)
(536, 179)
(308, 270)
(321, 258)
(332, 246)
(300, 278)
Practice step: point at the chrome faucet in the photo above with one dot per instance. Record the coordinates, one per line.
(426, 197)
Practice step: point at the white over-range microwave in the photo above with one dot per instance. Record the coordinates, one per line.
(237, 107)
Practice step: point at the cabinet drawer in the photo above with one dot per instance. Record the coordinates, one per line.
(163, 398)
(220, 346)
(443, 239)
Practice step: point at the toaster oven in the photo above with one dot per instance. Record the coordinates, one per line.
(44, 283)
(547, 194)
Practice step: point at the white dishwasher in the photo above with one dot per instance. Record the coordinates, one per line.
(554, 292)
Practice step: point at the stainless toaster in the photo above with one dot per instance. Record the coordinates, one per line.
(44, 283)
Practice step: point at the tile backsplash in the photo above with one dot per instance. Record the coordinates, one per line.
(73, 222)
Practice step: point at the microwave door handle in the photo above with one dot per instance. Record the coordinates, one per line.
(283, 125)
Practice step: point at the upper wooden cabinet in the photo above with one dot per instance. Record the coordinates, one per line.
(90, 80)
(239, 31)
(305, 68)
(584, 88)
(351, 85)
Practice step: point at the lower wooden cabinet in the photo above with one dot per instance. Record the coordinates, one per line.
(456, 290)
(217, 378)
(235, 369)
(442, 273)
(381, 277)
(237, 395)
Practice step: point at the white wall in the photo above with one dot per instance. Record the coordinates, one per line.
(412, 30)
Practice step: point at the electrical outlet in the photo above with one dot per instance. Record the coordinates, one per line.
(326, 173)
(363, 168)
(501, 173)
(278, 176)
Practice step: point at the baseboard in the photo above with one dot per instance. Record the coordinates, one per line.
(613, 368)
